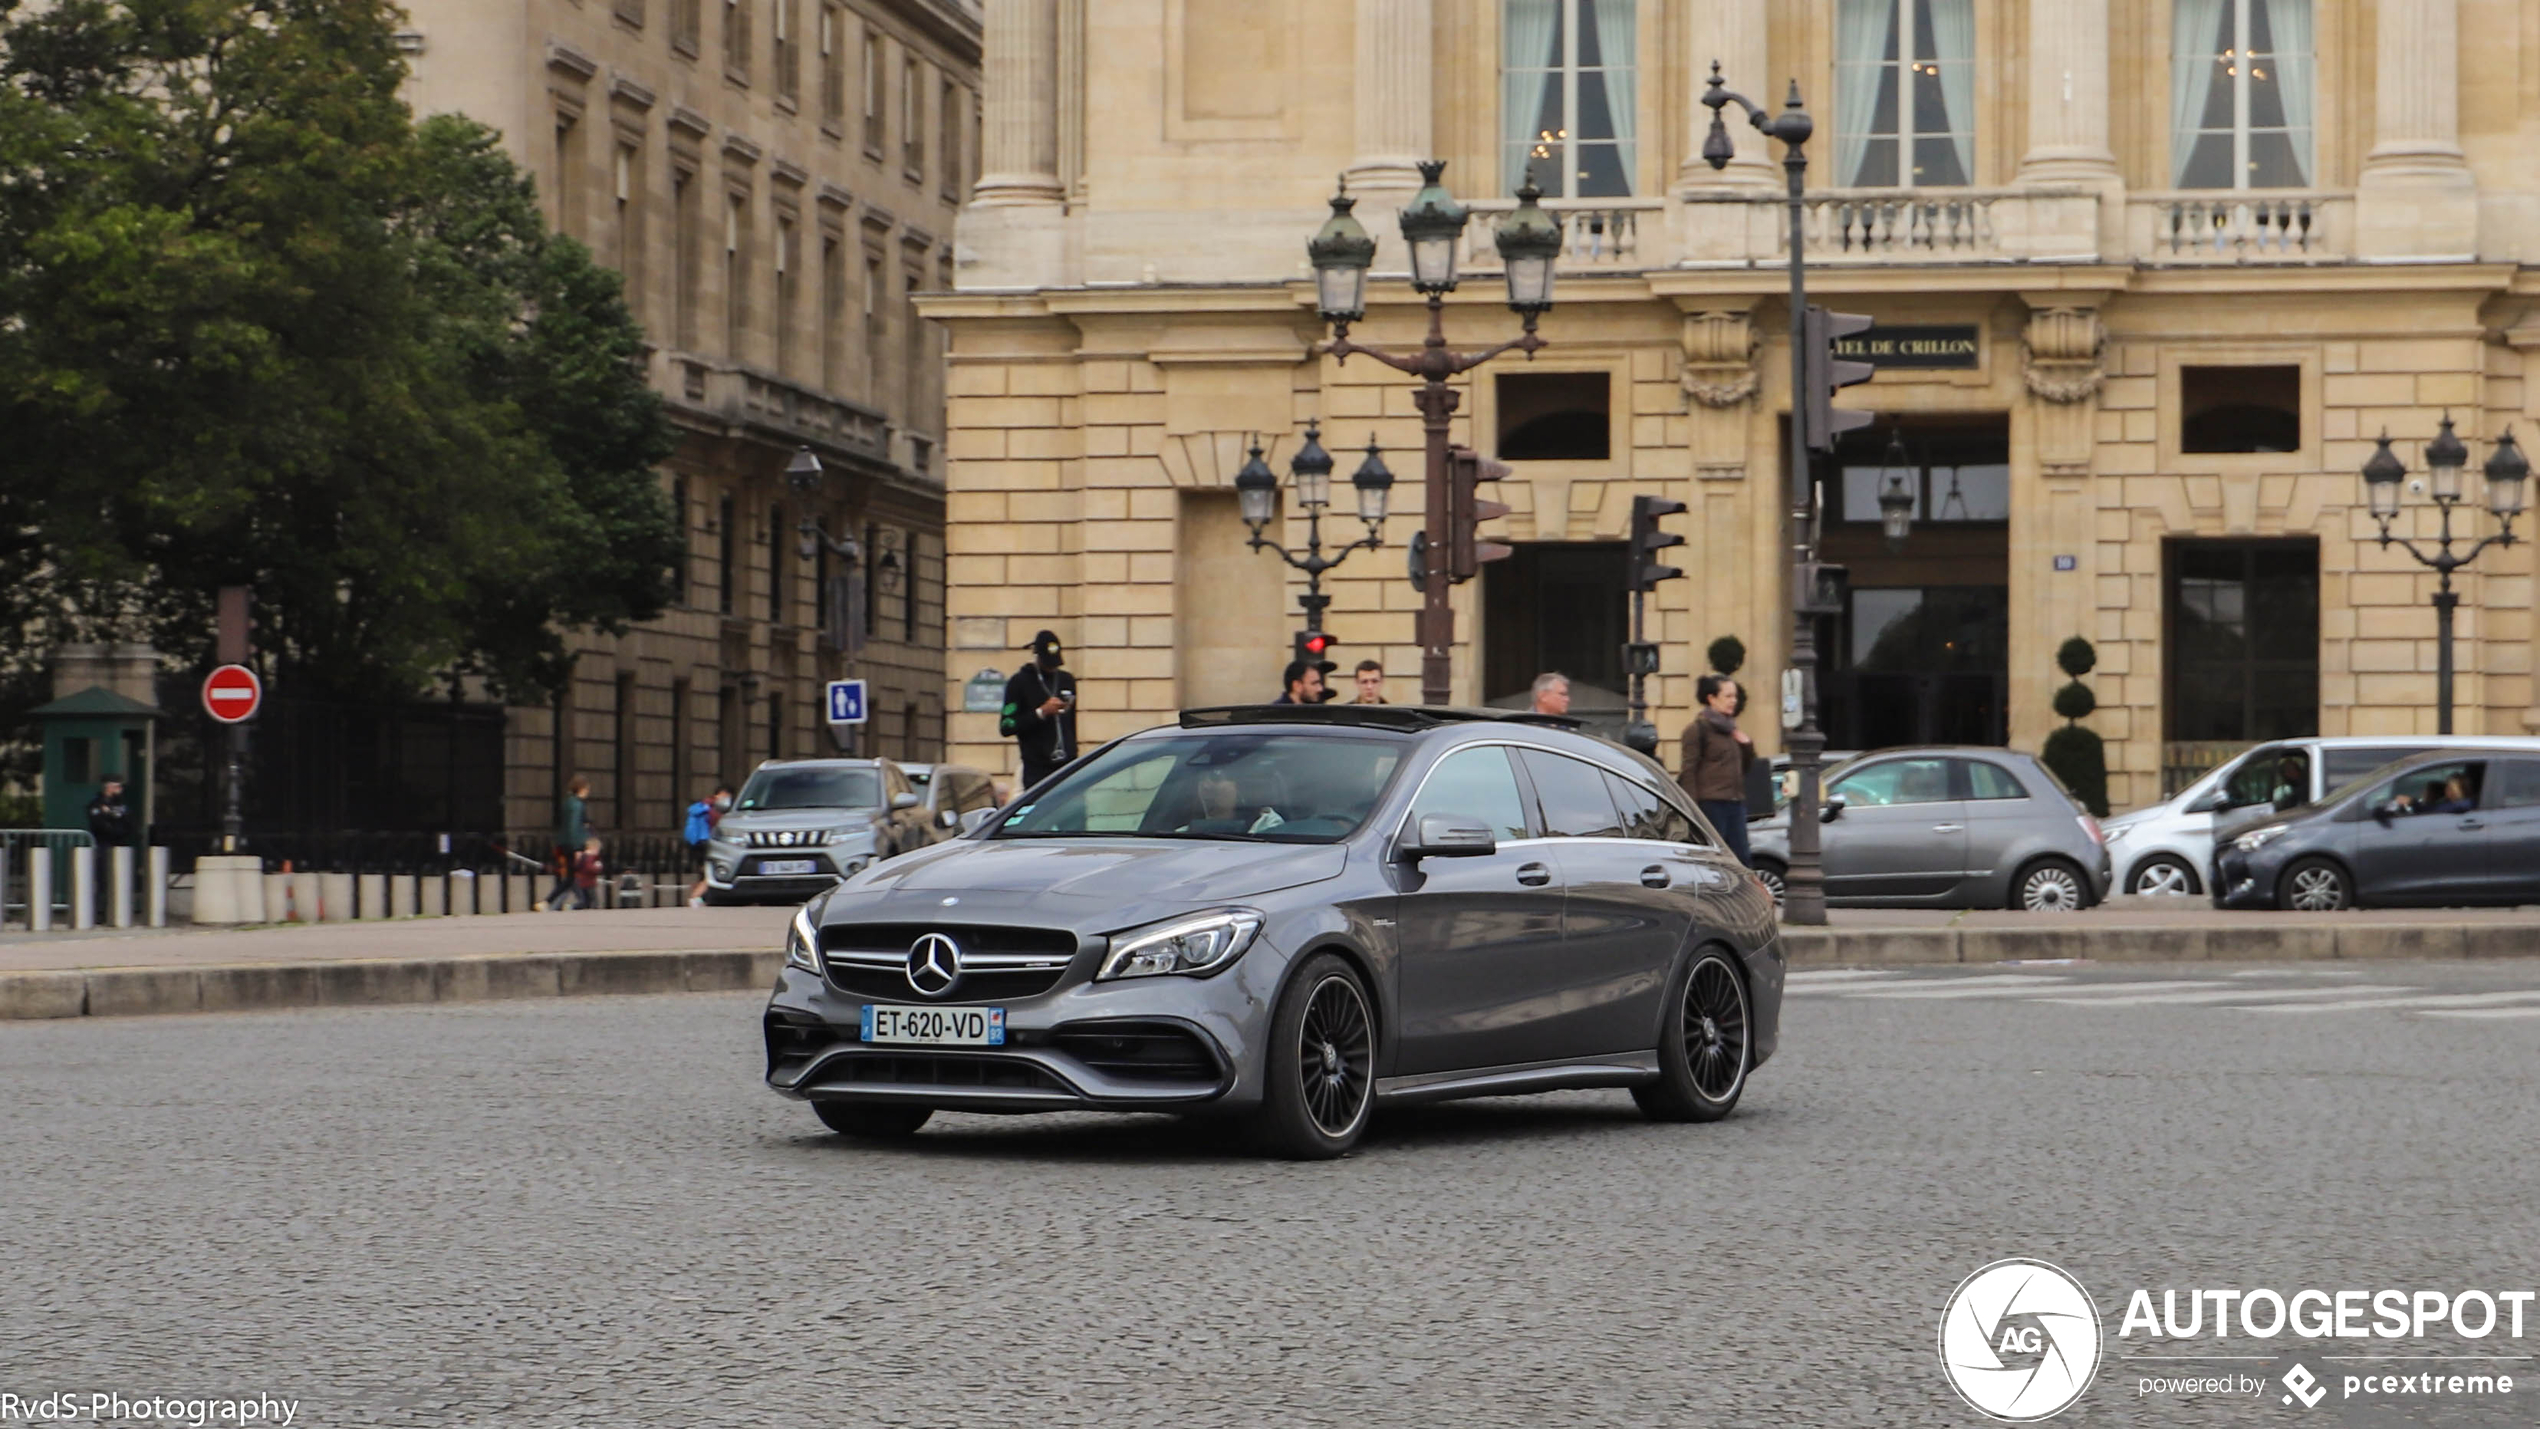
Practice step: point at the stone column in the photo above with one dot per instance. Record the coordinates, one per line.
(2067, 94)
(1732, 33)
(1019, 145)
(2415, 197)
(1393, 62)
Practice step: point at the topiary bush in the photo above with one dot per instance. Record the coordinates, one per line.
(2077, 755)
(1726, 654)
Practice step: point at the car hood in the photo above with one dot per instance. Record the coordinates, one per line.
(2231, 825)
(1092, 884)
(756, 819)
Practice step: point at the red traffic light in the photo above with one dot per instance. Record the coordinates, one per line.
(1317, 644)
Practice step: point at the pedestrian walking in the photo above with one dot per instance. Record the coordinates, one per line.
(109, 817)
(1552, 693)
(587, 868)
(1370, 679)
(1040, 711)
(703, 815)
(573, 829)
(1304, 681)
(1716, 755)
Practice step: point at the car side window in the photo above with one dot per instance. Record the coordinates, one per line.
(1572, 793)
(1646, 815)
(2342, 766)
(1991, 781)
(1475, 784)
(2521, 784)
(1894, 781)
(2254, 781)
(2449, 788)
(975, 793)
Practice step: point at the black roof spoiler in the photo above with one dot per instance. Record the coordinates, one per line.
(1394, 717)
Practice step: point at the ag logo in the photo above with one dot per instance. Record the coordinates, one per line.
(2020, 1340)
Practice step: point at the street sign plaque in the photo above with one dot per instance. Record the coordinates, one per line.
(232, 694)
(846, 701)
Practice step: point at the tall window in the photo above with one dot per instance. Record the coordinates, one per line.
(873, 92)
(833, 66)
(627, 189)
(1905, 93)
(950, 124)
(787, 260)
(679, 563)
(789, 54)
(686, 244)
(833, 314)
(1569, 93)
(736, 273)
(2242, 79)
(2243, 621)
(777, 604)
(568, 188)
(686, 19)
(727, 554)
(736, 39)
(912, 118)
(873, 325)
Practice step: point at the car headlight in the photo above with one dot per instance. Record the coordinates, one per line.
(2257, 839)
(2115, 834)
(802, 942)
(1193, 946)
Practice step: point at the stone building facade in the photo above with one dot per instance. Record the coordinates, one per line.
(2148, 277)
(776, 180)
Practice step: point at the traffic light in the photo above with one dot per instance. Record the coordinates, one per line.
(1819, 422)
(1648, 541)
(1314, 648)
(1466, 510)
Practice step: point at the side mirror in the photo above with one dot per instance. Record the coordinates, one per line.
(2383, 813)
(977, 819)
(1449, 836)
(1832, 810)
(903, 801)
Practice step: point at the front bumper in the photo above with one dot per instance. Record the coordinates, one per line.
(734, 872)
(2242, 880)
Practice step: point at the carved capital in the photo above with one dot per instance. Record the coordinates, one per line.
(1719, 351)
(2064, 347)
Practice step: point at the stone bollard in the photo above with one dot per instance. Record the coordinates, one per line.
(39, 889)
(119, 886)
(156, 903)
(335, 897)
(371, 891)
(401, 895)
(304, 897)
(432, 893)
(83, 887)
(524, 891)
(462, 892)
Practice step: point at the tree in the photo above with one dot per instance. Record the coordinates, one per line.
(257, 326)
(2077, 755)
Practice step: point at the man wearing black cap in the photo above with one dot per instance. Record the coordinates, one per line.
(1040, 711)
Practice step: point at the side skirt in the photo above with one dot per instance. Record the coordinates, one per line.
(1623, 1069)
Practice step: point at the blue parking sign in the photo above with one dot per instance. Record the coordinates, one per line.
(846, 701)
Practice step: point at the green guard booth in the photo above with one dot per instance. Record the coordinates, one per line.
(92, 736)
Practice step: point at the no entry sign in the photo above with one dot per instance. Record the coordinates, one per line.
(232, 693)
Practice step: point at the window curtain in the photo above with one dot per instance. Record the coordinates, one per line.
(2289, 22)
(1953, 38)
(2195, 44)
(1618, 41)
(1528, 31)
(1860, 46)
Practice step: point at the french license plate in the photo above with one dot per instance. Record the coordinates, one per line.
(788, 865)
(935, 1026)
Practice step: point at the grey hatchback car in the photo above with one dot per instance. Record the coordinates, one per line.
(1948, 827)
(1292, 915)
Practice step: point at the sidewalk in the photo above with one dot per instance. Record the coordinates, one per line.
(131, 971)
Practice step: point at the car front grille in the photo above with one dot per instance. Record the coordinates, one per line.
(918, 1069)
(1139, 1051)
(998, 964)
(785, 838)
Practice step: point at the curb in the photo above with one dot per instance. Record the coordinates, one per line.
(378, 982)
(2256, 942)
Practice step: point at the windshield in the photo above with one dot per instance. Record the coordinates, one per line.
(812, 789)
(1279, 787)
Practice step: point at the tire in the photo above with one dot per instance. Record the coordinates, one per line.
(1321, 1068)
(2164, 876)
(1706, 1047)
(2049, 885)
(867, 1122)
(1776, 879)
(2315, 885)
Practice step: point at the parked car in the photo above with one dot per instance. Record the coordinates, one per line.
(1292, 915)
(2451, 826)
(1783, 781)
(950, 791)
(800, 825)
(1946, 827)
(2165, 849)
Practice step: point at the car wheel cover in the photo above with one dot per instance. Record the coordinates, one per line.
(2164, 878)
(1714, 1029)
(2052, 889)
(2317, 889)
(1774, 883)
(1335, 1056)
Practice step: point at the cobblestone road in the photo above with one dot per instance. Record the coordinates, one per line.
(589, 1212)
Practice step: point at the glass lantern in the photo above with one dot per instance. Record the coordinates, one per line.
(1432, 227)
(1257, 491)
(1311, 470)
(2445, 456)
(1529, 241)
(2383, 476)
(1374, 481)
(1341, 252)
(2506, 471)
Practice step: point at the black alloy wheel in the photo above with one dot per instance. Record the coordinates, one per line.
(1703, 1058)
(870, 1122)
(1322, 1064)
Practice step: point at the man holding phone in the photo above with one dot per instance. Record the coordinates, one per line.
(1040, 711)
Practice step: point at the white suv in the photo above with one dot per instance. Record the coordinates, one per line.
(2166, 848)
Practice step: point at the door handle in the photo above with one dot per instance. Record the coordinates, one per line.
(1654, 876)
(1948, 828)
(1533, 875)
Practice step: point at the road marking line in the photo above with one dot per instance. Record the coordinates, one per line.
(2097, 991)
(2299, 972)
(1840, 975)
(2231, 994)
(2484, 1013)
(2460, 999)
(2007, 984)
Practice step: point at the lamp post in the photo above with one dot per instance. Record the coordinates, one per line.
(1310, 475)
(2445, 456)
(1803, 897)
(804, 474)
(1529, 240)
(1896, 494)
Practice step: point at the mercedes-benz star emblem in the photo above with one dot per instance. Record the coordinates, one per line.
(934, 965)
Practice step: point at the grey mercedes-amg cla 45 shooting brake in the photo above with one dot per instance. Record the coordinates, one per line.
(1293, 915)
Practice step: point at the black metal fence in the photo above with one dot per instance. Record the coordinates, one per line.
(639, 862)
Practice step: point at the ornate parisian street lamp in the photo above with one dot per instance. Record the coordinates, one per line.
(1310, 475)
(2445, 457)
(1896, 491)
(1529, 241)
